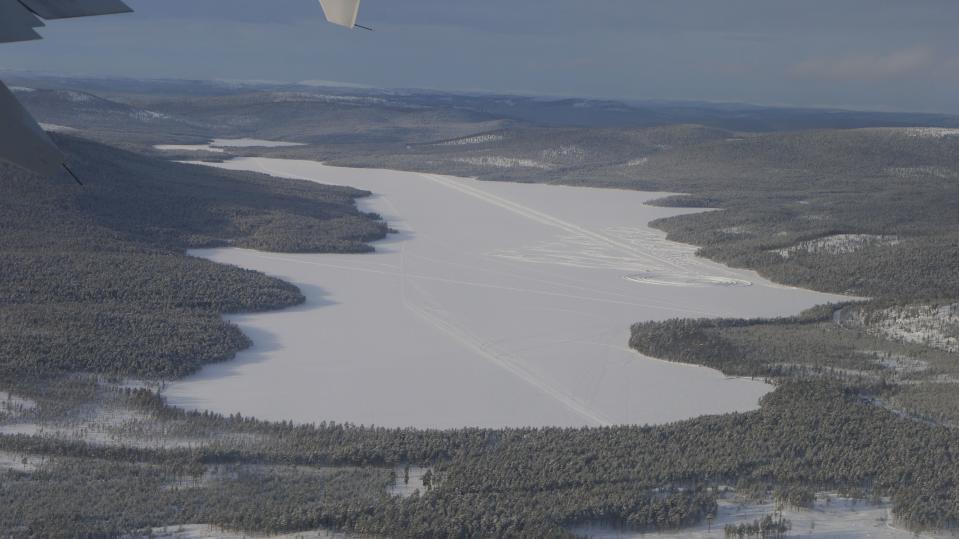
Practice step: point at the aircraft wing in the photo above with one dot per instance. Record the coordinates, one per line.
(22, 141)
(18, 18)
(65, 9)
(17, 23)
(341, 12)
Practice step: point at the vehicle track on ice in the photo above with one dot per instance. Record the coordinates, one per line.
(441, 320)
(549, 220)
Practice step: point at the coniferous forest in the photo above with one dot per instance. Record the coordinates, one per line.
(96, 289)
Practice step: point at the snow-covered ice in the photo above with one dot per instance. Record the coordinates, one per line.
(496, 304)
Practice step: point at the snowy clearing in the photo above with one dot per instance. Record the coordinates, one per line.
(218, 145)
(188, 148)
(838, 244)
(251, 143)
(405, 488)
(76, 97)
(564, 153)
(897, 362)
(936, 326)
(502, 162)
(928, 171)
(206, 531)
(931, 132)
(148, 115)
(18, 462)
(13, 406)
(495, 305)
(831, 517)
(476, 139)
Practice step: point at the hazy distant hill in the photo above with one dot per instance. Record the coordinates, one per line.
(400, 114)
(95, 117)
(315, 117)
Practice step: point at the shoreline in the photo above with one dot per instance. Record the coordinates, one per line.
(505, 359)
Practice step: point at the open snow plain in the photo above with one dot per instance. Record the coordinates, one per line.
(494, 305)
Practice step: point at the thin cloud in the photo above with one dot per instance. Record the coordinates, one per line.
(865, 67)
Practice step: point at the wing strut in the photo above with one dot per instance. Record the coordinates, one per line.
(72, 175)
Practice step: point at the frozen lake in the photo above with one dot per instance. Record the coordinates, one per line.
(495, 305)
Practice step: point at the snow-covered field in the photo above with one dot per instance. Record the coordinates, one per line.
(495, 305)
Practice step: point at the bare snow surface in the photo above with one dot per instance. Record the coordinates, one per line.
(495, 305)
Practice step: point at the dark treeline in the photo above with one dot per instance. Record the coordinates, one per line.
(781, 189)
(816, 344)
(806, 437)
(808, 343)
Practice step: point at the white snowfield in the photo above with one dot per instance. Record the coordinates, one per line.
(496, 305)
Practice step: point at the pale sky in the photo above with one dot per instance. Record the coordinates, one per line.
(865, 54)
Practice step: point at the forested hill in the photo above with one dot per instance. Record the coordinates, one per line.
(96, 278)
(180, 206)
